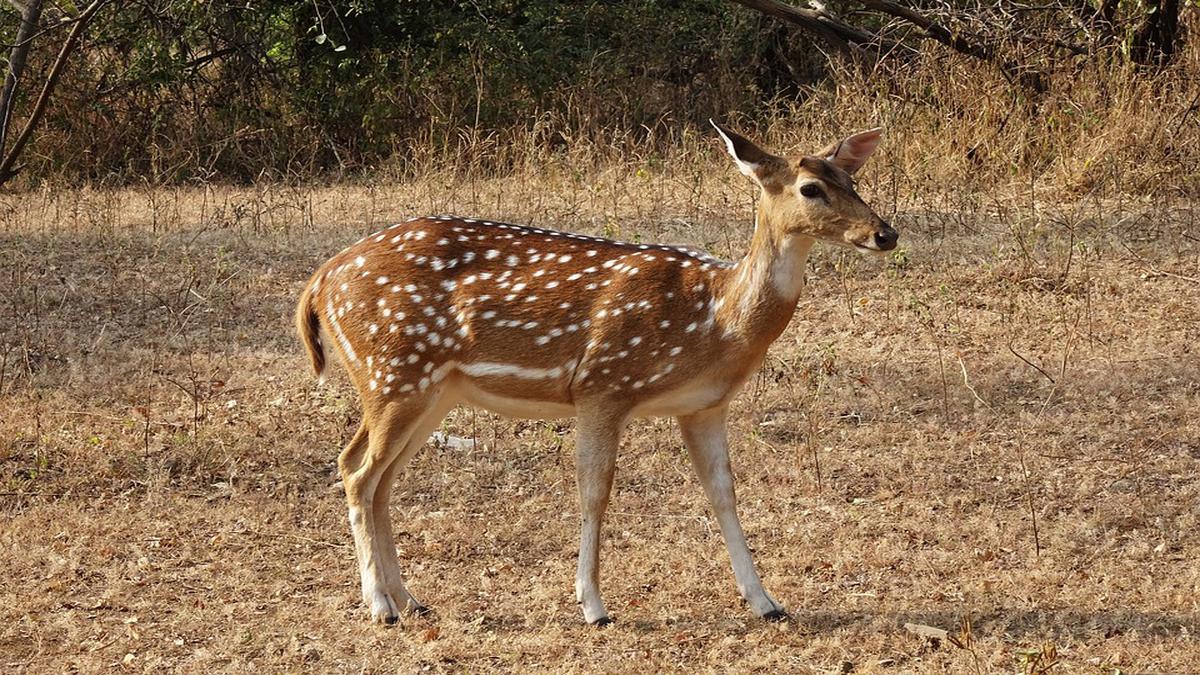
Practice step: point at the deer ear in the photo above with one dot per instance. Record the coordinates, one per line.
(751, 160)
(850, 154)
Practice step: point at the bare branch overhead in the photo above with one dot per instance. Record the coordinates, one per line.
(841, 36)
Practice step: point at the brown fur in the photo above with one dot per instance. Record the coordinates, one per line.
(606, 303)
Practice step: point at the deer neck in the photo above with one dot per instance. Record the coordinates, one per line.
(761, 291)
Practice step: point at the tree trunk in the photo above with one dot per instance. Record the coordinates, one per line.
(1154, 41)
(16, 65)
(8, 167)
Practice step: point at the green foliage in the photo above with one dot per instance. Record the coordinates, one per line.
(177, 89)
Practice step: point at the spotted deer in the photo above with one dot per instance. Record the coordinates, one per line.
(537, 323)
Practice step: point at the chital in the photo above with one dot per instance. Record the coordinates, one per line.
(534, 322)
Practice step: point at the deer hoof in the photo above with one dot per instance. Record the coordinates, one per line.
(777, 615)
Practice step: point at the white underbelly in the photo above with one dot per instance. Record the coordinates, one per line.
(691, 397)
(521, 408)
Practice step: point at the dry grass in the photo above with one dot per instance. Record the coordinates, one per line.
(168, 479)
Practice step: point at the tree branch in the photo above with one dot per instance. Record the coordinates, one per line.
(841, 36)
(933, 30)
(59, 24)
(201, 61)
(834, 33)
(39, 107)
(806, 19)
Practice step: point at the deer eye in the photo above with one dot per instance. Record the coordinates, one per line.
(811, 190)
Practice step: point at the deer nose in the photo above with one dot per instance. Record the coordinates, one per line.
(886, 238)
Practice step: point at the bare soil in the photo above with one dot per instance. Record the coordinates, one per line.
(992, 432)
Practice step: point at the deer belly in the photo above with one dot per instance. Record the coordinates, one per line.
(692, 396)
(516, 391)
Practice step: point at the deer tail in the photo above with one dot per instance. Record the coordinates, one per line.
(308, 325)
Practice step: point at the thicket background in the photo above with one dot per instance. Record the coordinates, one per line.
(177, 91)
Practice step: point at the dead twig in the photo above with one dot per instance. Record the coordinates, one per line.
(1031, 364)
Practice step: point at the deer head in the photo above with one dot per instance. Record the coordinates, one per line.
(813, 196)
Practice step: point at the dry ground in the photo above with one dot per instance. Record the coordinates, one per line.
(997, 425)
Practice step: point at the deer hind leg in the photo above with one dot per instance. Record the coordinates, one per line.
(422, 428)
(379, 443)
(597, 439)
(705, 437)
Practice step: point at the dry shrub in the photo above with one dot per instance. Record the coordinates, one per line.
(1101, 126)
(952, 123)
